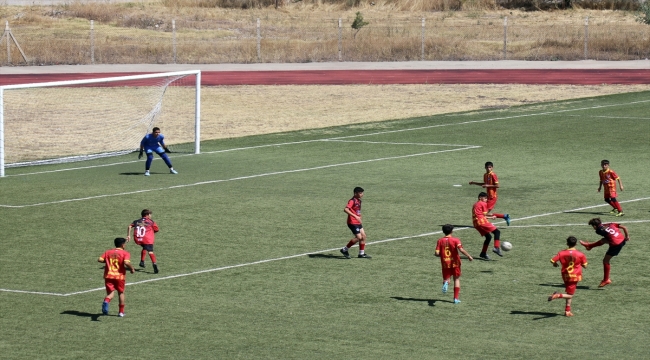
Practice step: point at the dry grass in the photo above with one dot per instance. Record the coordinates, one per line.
(307, 31)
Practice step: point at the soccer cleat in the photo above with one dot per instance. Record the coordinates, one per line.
(172, 171)
(141, 264)
(497, 251)
(120, 314)
(364, 256)
(345, 253)
(555, 295)
(568, 313)
(445, 287)
(155, 269)
(105, 308)
(585, 244)
(614, 211)
(484, 256)
(456, 301)
(605, 283)
(506, 217)
(620, 214)
(146, 173)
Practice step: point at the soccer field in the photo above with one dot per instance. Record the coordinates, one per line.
(251, 230)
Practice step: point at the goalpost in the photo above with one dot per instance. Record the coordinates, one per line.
(65, 121)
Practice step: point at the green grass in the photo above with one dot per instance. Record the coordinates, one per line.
(230, 208)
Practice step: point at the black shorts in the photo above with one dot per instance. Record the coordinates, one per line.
(355, 228)
(614, 250)
(148, 247)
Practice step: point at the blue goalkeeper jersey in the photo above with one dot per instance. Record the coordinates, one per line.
(149, 142)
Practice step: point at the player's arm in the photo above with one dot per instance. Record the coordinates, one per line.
(620, 184)
(627, 235)
(476, 183)
(128, 232)
(348, 211)
(101, 260)
(554, 261)
(127, 264)
(437, 253)
(464, 252)
(495, 186)
(155, 227)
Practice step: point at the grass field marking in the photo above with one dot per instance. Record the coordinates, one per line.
(236, 178)
(320, 252)
(613, 117)
(393, 143)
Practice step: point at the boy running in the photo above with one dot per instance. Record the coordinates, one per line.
(144, 230)
(353, 209)
(117, 261)
(480, 216)
(491, 184)
(611, 235)
(608, 179)
(572, 262)
(447, 249)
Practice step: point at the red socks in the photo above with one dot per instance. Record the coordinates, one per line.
(499, 216)
(122, 308)
(456, 292)
(617, 206)
(143, 254)
(153, 257)
(606, 268)
(497, 243)
(567, 308)
(107, 300)
(350, 244)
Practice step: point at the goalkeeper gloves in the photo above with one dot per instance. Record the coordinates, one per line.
(167, 150)
(140, 154)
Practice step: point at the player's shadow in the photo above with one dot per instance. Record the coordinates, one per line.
(561, 286)
(460, 226)
(542, 314)
(134, 173)
(430, 302)
(93, 317)
(326, 256)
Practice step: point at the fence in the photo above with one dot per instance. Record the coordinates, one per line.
(263, 40)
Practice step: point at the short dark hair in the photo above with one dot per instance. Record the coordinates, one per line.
(145, 212)
(571, 241)
(595, 222)
(154, 129)
(447, 229)
(358, 189)
(119, 242)
(482, 194)
(603, 162)
(489, 163)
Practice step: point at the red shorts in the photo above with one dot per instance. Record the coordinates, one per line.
(491, 202)
(449, 272)
(570, 287)
(485, 229)
(610, 194)
(114, 284)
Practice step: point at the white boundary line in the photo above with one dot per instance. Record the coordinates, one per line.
(236, 178)
(359, 135)
(334, 249)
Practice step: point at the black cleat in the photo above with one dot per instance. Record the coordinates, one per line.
(155, 269)
(484, 256)
(141, 264)
(497, 251)
(364, 256)
(345, 253)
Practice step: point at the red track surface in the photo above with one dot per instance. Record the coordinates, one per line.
(344, 77)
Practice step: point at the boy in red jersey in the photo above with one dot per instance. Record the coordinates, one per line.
(117, 261)
(491, 184)
(480, 216)
(447, 249)
(608, 179)
(572, 262)
(611, 235)
(353, 209)
(144, 230)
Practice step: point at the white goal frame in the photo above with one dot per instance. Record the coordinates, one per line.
(197, 110)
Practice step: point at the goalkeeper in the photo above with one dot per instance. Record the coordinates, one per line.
(155, 142)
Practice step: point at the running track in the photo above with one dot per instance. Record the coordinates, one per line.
(377, 77)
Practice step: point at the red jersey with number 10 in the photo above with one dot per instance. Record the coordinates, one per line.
(144, 230)
(354, 205)
(572, 262)
(115, 259)
(447, 249)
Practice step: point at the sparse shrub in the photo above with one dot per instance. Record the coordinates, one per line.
(358, 23)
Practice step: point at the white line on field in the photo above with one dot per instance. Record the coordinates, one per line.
(353, 136)
(613, 117)
(236, 178)
(334, 249)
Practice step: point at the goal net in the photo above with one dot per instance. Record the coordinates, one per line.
(79, 120)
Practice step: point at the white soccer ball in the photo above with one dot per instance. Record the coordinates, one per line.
(506, 246)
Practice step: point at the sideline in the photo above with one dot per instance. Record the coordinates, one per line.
(334, 249)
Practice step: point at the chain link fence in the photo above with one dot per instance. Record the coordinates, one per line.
(281, 40)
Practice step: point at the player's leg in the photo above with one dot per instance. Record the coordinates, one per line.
(614, 202)
(143, 255)
(110, 292)
(497, 242)
(167, 161)
(446, 276)
(362, 244)
(588, 246)
(457, 286)
(486, 243)
(356, 230)
(148, 163)
(152, 256)
(120, 291)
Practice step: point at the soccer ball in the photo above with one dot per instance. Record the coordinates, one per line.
(506, 246)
